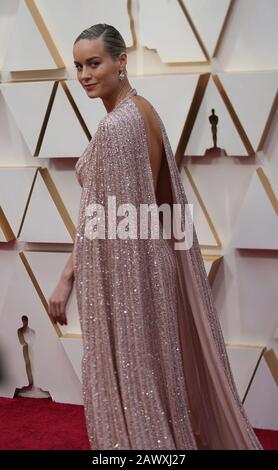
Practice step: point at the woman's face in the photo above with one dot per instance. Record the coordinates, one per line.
(96, 68)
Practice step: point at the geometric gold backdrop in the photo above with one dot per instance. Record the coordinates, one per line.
(187, 57)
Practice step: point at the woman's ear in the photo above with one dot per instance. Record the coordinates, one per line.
(123, 60)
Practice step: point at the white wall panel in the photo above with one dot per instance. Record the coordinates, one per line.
(91, 109)
(65, 180)
(261, 403)
(64, 135)
(251, 38)
(218, 191)
(13, 149)
(257, 225)
(27, 37)
(163, 26)
(74, 350)
(43, 222)
(208, 17)
(28, 103)
(66, 19)
(243, 361)
(252, 96)
(21, 179)
(201, 222)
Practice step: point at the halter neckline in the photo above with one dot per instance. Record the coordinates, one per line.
(130, 93)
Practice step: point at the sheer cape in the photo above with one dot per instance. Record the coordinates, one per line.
(128, 306)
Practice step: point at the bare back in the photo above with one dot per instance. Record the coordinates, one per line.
(154, 136)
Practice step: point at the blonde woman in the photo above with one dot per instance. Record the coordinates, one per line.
(155, 369)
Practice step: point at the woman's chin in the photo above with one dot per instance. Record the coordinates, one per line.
(93, 92)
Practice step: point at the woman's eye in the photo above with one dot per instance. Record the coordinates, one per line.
(92, 64)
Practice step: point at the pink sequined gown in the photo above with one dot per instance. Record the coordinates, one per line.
(155, 369)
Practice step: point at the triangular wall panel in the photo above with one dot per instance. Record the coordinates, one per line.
(43, 223)
(252, 96)
(157, 17)
(243, 361)
(20, 180)
(28, 103)
(205, 229)
(64, 135)
(92, 110)
(263, 391)
(257, 224)
(208, 17)
(27, 49)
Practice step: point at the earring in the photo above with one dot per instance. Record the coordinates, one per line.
(122, 75)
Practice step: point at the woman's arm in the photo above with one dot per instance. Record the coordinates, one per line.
(60, 296)
(68, 272)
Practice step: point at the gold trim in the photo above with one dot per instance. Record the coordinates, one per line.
(224, 27)
(191, 117)
(32, 7)
(268, 189)
(132, 27)
(5, 227)
(206, 214)
(272, 362)
(75, 109)
(198, 39)
(46, 118)
(72, 336)
(253, 375)
(194, 29)
(244, 346)
(39, 291)
(27, 203)
(216, 262)
(268, 122)
(19, 76)
(198, 36)
(18, 166)
(172, 64)
(58, 201)
(249, 346)
(49, 109)
(242, 134)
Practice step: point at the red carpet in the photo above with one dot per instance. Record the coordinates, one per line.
(41, 424)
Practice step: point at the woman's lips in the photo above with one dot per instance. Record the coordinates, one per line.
(88, 87)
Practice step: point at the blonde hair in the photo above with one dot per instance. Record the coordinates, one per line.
(113, 40)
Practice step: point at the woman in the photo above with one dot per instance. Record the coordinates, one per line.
(155, 369)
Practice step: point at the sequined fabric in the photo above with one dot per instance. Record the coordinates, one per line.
(155, 371)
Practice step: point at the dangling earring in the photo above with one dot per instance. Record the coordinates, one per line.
(122, 75)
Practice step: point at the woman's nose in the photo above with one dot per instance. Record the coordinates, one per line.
(85, 72)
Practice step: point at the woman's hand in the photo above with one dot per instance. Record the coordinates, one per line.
(58, 301)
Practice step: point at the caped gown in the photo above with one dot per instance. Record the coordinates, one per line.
(155, 372)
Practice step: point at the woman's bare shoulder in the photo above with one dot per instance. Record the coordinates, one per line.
(142, 102)
(149, 113)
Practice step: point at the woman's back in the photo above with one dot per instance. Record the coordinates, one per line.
(153, 133)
